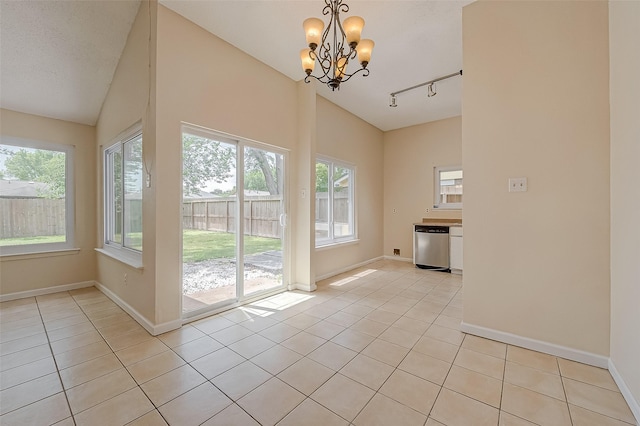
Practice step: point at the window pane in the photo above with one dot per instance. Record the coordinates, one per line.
(322, 200)
(114, 195)
(32, 196)
(342, 225)
(133, 193)
(450, 187)
(334, 202)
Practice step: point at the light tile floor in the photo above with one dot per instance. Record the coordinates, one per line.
(379, 345)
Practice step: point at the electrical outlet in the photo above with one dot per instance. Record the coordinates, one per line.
(124, 278)
(427, 210)
(395, 210)
(518, 184)
(396, 252)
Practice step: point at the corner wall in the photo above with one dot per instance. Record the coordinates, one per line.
(350, 139)
(203, 80)
(410, 154)
(25, 272)
(128, 101)
(624, 31)
(536, 105)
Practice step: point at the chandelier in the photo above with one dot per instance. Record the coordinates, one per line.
(335, 47)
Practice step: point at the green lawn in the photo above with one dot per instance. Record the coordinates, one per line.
(32, 240)
(205, 245)
(197, 245)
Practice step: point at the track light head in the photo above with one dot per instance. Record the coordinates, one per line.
(431, 90)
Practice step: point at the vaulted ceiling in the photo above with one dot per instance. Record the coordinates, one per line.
(58, 57)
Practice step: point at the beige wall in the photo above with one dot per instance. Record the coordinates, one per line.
(410, 154)
(354, 141)
(22, 273)
(536, 105)
(624, 32)
(205, 81)
(127, 103)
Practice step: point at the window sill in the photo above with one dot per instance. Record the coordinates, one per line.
(131, 259)
(457, 206)
(337, 244)
(38, 254)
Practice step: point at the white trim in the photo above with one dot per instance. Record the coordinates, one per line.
(436, 189)
(626, 392)
(38, 254)
(331, 240)
(144, 322)
(228, 307)
(126, 256)
(46, 290)
(304, 287)
(537, 345)
(131, 134)
(398, 258)
(337, 243)
(345, 269)
(69, 194)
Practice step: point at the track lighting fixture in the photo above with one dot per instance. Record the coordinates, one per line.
(431, 88)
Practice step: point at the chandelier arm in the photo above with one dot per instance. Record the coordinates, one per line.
(365, 73)
(331, 53)
(328, 7)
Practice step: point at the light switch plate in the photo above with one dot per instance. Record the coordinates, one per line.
(518, 184)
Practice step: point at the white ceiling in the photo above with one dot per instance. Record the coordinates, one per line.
(58, 57)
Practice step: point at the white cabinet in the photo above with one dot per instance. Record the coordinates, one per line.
(455, 249)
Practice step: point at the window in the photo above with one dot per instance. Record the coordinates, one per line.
(334, 202)
(123, 192)
(36, 196)
(448, 187)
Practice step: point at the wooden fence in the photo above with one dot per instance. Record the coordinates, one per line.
(340, 207)
(31, 217)
(261, 215)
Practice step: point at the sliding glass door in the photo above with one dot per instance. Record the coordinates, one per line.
(264, 220)
(213, 239)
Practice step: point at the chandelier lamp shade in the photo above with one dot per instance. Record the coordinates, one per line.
(335, 46)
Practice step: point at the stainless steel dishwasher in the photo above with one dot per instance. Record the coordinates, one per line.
(431, 247)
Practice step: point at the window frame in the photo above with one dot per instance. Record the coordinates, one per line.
(436, 188)
(69, 243)
(331, 239)
(119, 250)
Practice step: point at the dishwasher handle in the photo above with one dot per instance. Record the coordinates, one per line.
(430, 229)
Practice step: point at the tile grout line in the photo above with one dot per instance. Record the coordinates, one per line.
(55, 362)
(566, 398)
(119, 361)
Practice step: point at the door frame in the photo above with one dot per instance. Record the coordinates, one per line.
(240, 143)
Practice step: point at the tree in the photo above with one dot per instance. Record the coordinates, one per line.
(39, 165)
(254, 180)
(322, 177)
(263, 171)
(204, 160)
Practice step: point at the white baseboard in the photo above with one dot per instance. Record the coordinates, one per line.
(347, 268)
(304, 287)
(46, 290)
(626, 392)
(153, 329)
(398, 258)
(537, 345)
